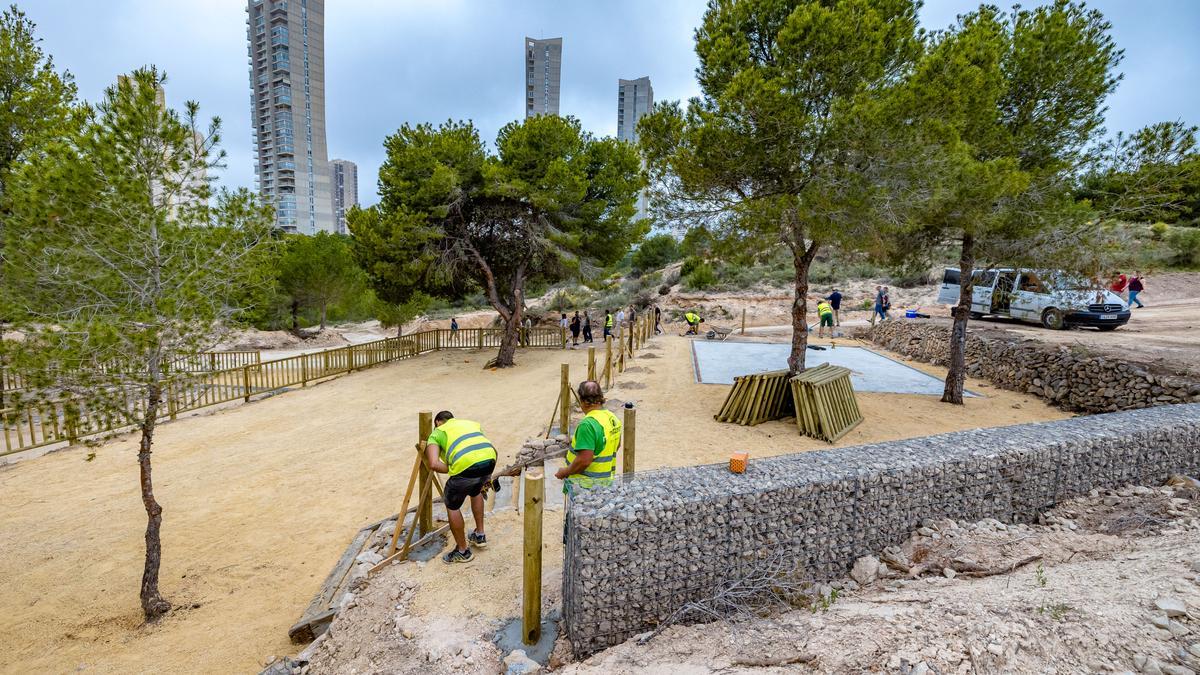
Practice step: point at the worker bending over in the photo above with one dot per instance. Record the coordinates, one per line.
(824, 317)
(592, 458)
(693, 321)
(459, 448)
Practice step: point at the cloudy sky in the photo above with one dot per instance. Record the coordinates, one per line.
(394, 61)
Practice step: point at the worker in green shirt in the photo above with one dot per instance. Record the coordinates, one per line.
(824, 317)
(459, 448)
(693, 321)
(592, 459)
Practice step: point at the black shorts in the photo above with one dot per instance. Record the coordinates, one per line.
(469, 483)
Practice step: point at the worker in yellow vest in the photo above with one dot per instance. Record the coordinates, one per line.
(459, 448)
(824, 317)
(592, 459)
(693, 321)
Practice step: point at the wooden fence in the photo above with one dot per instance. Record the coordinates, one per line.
(35, 425)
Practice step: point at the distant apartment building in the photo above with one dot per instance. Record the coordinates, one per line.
(287, 99)
(543, 71)
(635, 98)
(186, 187)
(345, 191)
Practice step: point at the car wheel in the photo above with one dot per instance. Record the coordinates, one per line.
(1054, 319)
(976, 315)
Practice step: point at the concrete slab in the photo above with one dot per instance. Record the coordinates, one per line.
(509, 637)
(720, 362)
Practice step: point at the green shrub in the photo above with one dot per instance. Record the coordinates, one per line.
(690, 263)
(1158, 231)
(1185, 247)
(700, 278)
(656, 252)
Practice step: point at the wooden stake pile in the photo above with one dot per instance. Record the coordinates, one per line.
(757, 398)
(825, 403)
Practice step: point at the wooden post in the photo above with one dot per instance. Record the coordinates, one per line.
(479, 332)
(531, 608)
(743, 321)
(608, 362)
(437, 340)
(631, 337)
(425, 506)
(563, 336)
(630, 432)
(246, 382)
(349, 360)
(303, 371)
(591, 363)
(564, 400)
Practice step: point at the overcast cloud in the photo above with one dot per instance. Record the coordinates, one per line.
(394, 61)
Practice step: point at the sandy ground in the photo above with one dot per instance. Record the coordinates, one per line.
(261, 499)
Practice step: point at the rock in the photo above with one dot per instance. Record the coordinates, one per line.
(1171, 605)
(408, 634)
(1177, 629)
(1139, 661)
(369, 557)
(1174, 669)
(517, 663)
(1152, 667)
(1160, 621)
(948, 573)
(921, 668)
(866, 570)
(995, 649)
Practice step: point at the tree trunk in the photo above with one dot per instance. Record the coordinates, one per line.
(802, 258)
(509, 340)
(153, 604)
(295, 316)
(955, 377)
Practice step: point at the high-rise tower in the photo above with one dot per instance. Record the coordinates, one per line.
(345, 191)
(543, 70)
(287, 98)
(634, 99)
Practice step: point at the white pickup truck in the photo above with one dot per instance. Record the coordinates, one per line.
(1054, 299)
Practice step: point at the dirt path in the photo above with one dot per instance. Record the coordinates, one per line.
(261, 499)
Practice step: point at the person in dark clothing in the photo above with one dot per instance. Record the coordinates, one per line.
(1136, 286)
(587, 327)
(575, 326)
(835, 301)
(658, 329)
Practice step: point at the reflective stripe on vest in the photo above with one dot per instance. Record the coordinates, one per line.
(467, 445)
(604, 463)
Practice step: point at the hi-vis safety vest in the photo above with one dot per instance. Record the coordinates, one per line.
(824, 309)
(692, 318)
(604, 463)
(608, 321)
(465, 445)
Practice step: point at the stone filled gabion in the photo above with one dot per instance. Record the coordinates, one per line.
(1064, 376)
(639, 550)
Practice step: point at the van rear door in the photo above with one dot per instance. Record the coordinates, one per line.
(948, 293)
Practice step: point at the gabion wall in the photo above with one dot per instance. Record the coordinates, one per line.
(641, 549)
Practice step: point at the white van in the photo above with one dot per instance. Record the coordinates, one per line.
(1054, 299)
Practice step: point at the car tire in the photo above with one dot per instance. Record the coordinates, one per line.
(976, 315)
(1054, 319)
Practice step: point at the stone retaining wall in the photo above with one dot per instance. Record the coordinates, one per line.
(1066, 377)
(641, 549)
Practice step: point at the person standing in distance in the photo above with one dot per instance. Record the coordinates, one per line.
(459, 448)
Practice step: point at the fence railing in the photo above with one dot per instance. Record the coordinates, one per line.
(45, 423)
